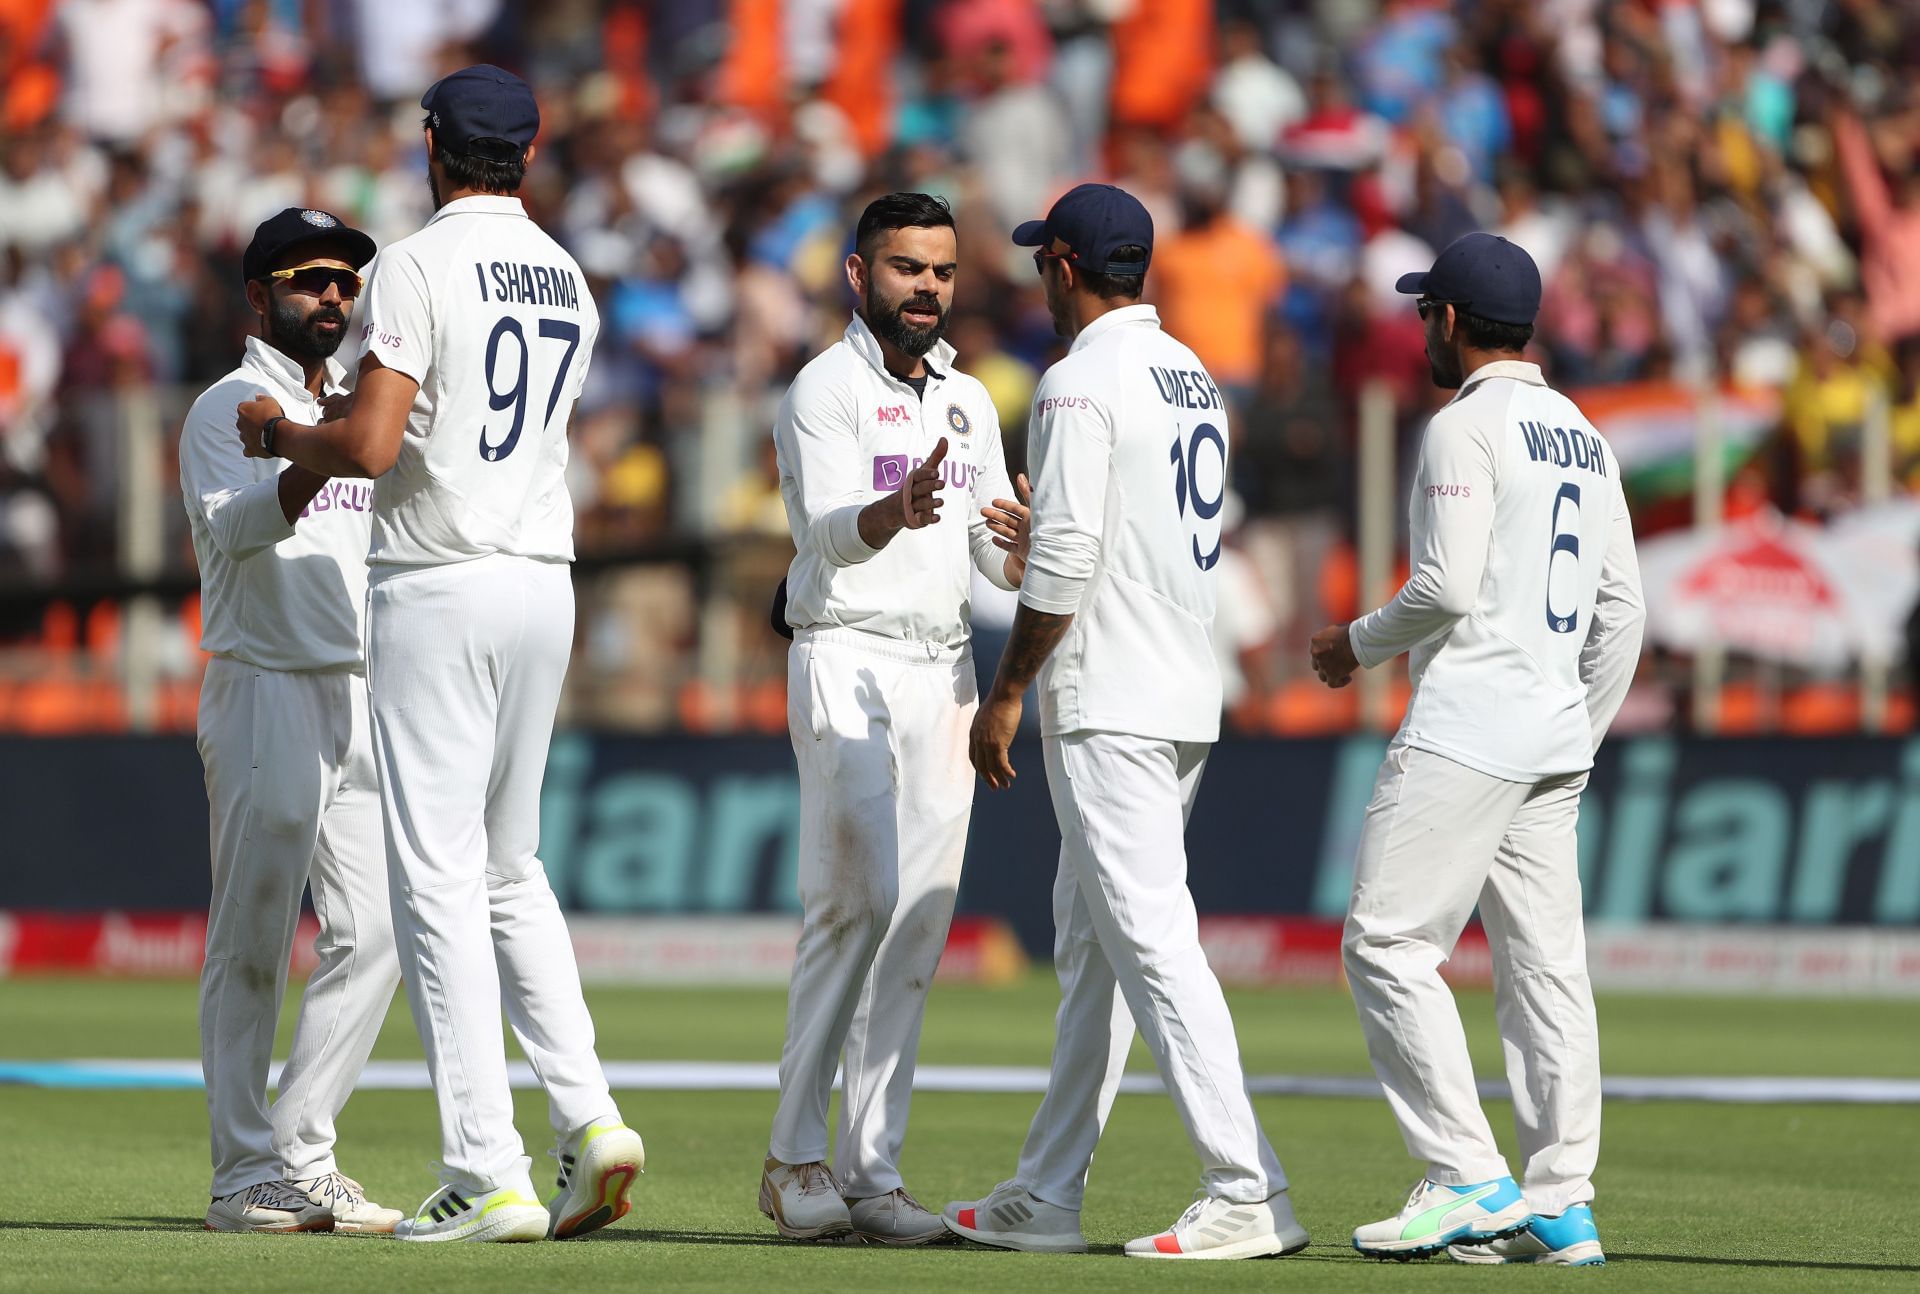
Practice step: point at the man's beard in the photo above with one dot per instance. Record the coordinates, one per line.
(433, 187)
(889, 327)
(1443, 378)
(299, 337)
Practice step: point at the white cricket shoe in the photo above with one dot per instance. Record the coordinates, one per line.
(1012, 1218)
(898, 1219)
(597, 1168)
(1436, 1216)
(347, 1200)
(1568, 1240)
(268, 1207)
(804, 1201)
(509, 1213)
(1216, 1228)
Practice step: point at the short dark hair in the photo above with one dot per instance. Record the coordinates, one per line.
(1489, 334)
(899, 211)
(1109, 286)
(465, 171)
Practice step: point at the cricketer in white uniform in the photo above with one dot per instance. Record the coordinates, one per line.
(1128, 447)
(477, 334)
(284, 738)
(1523, 615)
(880, 692)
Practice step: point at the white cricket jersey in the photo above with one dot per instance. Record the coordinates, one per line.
(494, 321)
(1128, 449)
(272, 594)
(848, 433)
(1523, 610)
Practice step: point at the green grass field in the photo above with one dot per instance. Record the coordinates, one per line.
(104, 1190)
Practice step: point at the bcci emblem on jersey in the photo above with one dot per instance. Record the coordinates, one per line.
(958, 420)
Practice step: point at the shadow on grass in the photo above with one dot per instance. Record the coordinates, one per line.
(1789, 1263)
(114, 1224)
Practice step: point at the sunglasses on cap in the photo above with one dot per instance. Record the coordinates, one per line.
(313, 280)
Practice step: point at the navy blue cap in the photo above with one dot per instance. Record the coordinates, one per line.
(482, 111)
(1094, 221)
(295, 227)
(1483, 274)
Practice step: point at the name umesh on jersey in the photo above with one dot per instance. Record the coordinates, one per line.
(537, 285)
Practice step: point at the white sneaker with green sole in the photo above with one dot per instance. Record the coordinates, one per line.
(1436, 1216)
(510, 1213)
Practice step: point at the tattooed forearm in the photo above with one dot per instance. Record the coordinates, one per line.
(1035, 635)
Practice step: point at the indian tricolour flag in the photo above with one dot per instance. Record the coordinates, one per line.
(1655, 426)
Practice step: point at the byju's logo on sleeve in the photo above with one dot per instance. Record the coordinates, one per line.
(890, 471)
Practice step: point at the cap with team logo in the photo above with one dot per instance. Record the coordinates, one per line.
(1482, 274)
(296, 226)
(1094, 221)
(482, 111)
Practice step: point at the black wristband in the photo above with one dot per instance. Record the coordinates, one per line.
(266, 434)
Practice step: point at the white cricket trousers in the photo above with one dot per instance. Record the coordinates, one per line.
(1438, 838)
(293, 797)
(465, 664)
(1123, 916)
(879, 731)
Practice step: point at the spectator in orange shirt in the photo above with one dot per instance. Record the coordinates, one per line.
(1218, 276)
(1162, 62)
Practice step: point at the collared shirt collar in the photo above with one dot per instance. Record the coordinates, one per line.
(482, 204)
(286, 369)
(939, 360)
(1113, 319)
(1518, 369)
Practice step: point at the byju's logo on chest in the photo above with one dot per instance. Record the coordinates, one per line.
(890, 471)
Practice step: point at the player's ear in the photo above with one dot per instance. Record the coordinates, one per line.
(528, 159)
(857, 274)
(257, 296)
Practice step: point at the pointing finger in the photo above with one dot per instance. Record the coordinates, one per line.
(938, 456)
(1023, 487)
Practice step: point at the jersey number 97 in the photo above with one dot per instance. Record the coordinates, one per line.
(515, 397)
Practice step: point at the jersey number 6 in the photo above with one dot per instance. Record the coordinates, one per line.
(1186, 483)
(516, 398)
(1566, 539)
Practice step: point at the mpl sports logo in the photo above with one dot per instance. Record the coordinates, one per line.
(890, 472)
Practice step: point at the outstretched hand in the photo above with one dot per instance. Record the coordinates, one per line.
(1011, 522)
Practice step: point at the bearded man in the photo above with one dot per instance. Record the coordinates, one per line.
(881, 696)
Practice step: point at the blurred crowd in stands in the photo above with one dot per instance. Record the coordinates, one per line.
(1716, 191)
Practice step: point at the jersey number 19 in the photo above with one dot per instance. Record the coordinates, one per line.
(1200, 478)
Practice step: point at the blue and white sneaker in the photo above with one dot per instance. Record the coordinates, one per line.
(1570, 1240)
(1436, 1216)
